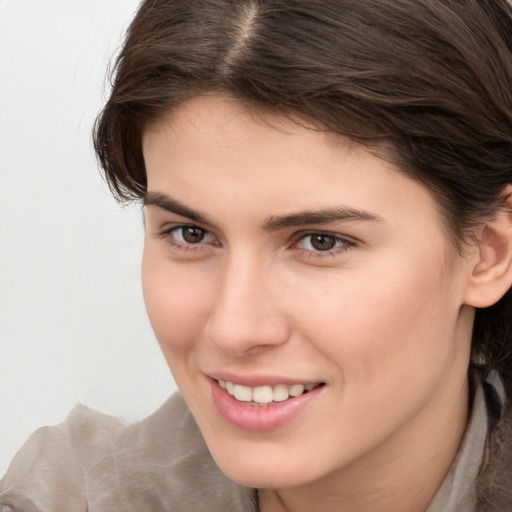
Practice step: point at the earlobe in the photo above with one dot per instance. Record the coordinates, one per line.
(491, 269)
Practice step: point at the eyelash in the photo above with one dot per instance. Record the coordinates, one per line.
(342, 244)
(345, 243)
(167, 236)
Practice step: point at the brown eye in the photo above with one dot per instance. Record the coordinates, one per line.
(188, 237)
(322, 242)
(326, 244)
(192, 235)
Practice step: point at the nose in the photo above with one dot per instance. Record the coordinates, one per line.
(247, 316)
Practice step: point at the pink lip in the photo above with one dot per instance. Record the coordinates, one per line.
(254, 418)
(258, 380)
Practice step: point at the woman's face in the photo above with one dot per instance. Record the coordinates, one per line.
(279, 259)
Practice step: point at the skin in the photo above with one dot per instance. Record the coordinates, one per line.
(380, 318)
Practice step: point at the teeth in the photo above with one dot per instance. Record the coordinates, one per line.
(262, 395)
(242, 393)
(281, 393)
(296, 390)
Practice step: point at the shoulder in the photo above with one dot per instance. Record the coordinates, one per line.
(51, 459)
(93, 461)
(494, 485)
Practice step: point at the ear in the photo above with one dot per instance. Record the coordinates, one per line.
(491, 263)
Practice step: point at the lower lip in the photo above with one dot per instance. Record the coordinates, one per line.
(255, 418)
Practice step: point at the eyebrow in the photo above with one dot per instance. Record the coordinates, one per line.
(323, 216)
(273, 223)
(171, 205)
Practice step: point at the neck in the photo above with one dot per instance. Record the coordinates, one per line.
(403, 474)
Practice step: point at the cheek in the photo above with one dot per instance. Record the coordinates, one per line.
(382, 324)
(386, 354)
(176, 302)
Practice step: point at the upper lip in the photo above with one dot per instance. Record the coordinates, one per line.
(259, 380)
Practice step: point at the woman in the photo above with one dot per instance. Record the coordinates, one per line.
(327, 262)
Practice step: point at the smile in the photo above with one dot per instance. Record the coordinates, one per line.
(264, 407)
(265, 395)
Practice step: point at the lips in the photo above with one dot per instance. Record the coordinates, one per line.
(264, 407)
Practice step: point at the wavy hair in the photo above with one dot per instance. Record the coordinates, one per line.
(428, 80)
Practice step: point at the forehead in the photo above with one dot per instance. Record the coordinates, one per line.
(213, 147)
(224, 132)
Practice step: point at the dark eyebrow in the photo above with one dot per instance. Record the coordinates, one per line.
(273, 223)
(318, 217)
(171, 205)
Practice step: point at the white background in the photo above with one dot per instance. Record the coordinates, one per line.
(72, 321)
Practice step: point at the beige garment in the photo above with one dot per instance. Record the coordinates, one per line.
(93, 463)
(458, 491)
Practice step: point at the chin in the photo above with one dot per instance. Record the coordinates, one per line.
(270, 478)
(266, 472)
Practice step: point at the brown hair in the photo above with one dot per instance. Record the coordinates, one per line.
(429, 79)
